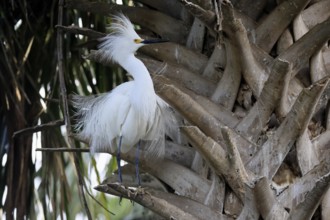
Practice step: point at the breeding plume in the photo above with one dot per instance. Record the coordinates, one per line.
(132, 112)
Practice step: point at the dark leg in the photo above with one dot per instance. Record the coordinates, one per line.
(137, 155)
(118, 160)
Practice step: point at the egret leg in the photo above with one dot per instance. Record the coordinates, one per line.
(137, 155)
(118, 160)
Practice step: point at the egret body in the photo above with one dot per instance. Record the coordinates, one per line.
(132, 112)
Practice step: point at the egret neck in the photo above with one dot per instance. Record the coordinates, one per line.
(143, 96)
(137, 69)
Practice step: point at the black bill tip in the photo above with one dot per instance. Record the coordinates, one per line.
(154, 41)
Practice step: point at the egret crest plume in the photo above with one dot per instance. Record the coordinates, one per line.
(120, 41)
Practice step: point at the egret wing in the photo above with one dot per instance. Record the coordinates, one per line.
(99, 117)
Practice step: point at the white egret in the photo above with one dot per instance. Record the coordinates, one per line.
(130, 113)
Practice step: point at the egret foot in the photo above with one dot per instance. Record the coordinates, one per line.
(140, 191)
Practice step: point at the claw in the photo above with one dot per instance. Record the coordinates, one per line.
(140, 191)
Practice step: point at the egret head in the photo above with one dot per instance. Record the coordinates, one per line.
(123, 40)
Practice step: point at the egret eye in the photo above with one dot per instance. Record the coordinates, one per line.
(137, 41)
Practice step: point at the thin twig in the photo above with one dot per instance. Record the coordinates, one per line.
(64, 99)
(51, 100)
(37, 128)
(82, 31)
(99, 203)
(64, 149)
